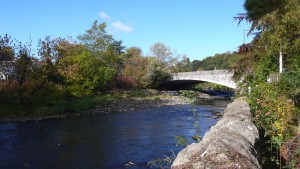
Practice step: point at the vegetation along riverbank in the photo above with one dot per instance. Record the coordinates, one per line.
(68, 77)
(114, 101)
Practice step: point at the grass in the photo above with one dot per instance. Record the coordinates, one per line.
(58, 103)
(43, 106)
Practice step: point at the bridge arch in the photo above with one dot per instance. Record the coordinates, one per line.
(221, 77)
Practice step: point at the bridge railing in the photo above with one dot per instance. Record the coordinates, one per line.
(205, 72)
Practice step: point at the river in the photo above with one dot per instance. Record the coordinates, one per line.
(102, 141)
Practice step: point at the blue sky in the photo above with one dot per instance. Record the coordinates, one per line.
(196, 28)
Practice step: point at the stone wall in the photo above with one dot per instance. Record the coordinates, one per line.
(228, 144)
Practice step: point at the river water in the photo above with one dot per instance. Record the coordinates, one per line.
(102, 141)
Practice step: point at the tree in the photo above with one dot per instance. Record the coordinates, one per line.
(135, 66)
(96, 38)
(196, 65)
(161, 64)
(50, 52)
(23, 69)
(6, 48)
(256, 9)
(103, 46)
(132, 52)
(276, 25)
(162, 52)
(85, 74)
(116, 47)
(184, 65)
(6, 55)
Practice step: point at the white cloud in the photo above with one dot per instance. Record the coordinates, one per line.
(118, 26)
(104, 16)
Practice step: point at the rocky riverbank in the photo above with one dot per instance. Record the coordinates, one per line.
(228, 144)
(159, 99)
(121, 104)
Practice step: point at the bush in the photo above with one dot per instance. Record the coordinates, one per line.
(158, 78)
(275, 117)
(126, 82)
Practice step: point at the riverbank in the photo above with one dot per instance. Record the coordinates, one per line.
(118, 101)
(228, 144)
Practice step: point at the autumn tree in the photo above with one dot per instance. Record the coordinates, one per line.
(135, 68)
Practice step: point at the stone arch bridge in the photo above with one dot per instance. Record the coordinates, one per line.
(221, 77)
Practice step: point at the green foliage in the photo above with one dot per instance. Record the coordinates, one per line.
(196, 65)
(258, 8)
(277, 28)
(51, 53)
(96, 38)
(219, 61)
(290, 84)
(188, 93)
(22, 71)
(181, 141)
(295, 162)
(184, 65)
(272, 112)
(158, 77)
(66, 70)
(209, 86)
(136, 93)
(89, 75)
(263, 67)
(51, 100)
(274, 116)
(6, 49)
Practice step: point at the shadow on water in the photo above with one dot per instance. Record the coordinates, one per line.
(101, 141)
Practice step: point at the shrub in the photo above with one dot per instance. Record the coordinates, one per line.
(275, 117)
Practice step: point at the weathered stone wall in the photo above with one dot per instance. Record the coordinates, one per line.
(228, 144)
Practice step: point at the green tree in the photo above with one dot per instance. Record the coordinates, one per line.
(133, 52)
(6, 48)
(50, 54)
(6, 55)
(184, 65)
(103, 46)
(96, 38)
(276, 26)
(22, 70)
(85, 74)
(161, 64)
